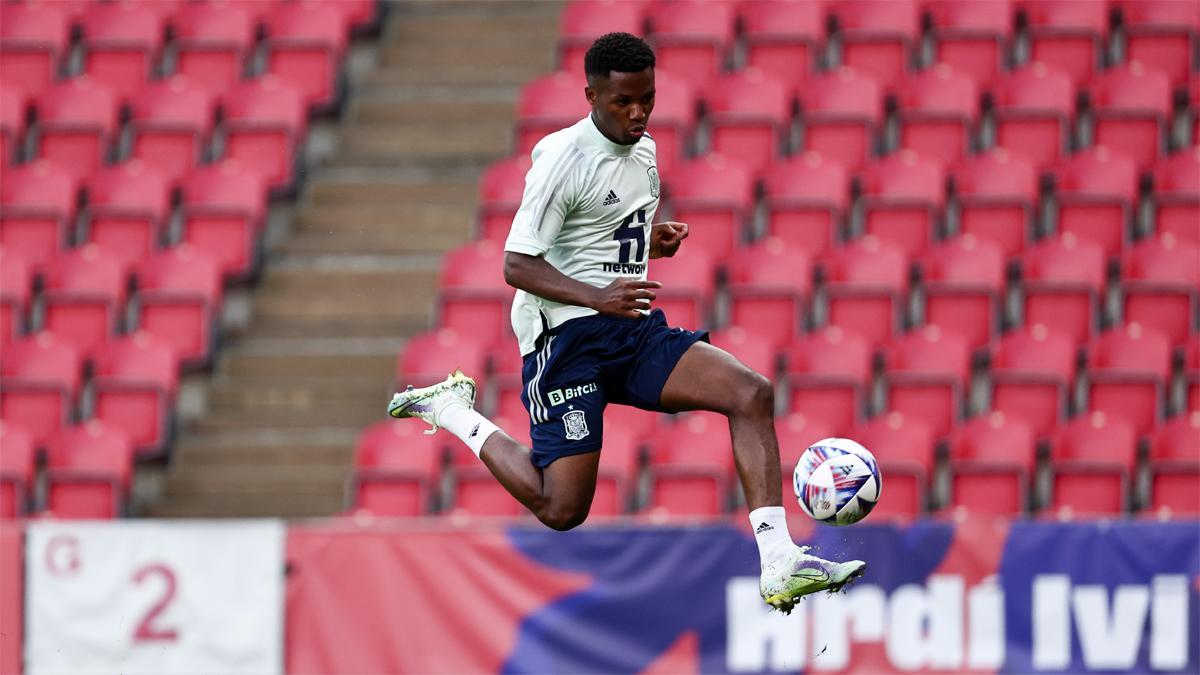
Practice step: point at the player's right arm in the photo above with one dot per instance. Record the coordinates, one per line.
(622, 297)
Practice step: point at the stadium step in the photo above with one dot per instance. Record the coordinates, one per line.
(348, 358)
(480, 140)
(252, 505)
(426, 226)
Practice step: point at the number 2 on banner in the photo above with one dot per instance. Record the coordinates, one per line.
(146, 630)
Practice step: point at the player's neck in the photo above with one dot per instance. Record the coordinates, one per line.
(606, 142)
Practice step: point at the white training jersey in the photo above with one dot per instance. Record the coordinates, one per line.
(587, 208)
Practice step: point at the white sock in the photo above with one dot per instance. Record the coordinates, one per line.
(771, 533)
(470, 427)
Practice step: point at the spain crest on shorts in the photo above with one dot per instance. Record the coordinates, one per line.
(575, 424)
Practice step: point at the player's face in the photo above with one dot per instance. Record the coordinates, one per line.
(622, 103)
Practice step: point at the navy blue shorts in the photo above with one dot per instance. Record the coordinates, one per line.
(585, 364)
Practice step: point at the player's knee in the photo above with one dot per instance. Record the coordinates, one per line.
(756, 395)
(562, 519)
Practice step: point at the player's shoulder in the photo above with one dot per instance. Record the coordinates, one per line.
(558, 145)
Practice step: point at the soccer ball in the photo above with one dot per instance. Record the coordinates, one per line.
(837, 481)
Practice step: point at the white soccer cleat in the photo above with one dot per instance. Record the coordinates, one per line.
(427, 403)
(798, 574)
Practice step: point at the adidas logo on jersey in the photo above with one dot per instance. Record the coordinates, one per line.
(611, 199)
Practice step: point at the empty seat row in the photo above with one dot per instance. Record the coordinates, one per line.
(126, 44)
(814, 203)
(130, 210)
(172, 128)
(848, 116)
(886, 37)
(993, 466)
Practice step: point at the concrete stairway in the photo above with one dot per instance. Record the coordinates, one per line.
(357, 271)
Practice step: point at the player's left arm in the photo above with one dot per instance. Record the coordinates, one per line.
(665, 238)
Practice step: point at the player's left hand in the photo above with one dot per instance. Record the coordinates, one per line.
(665, 238)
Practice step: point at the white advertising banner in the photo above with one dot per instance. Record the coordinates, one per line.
(203, 597)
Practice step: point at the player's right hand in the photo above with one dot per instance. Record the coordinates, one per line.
(625, 296)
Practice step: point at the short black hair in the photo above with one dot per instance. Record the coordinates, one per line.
(620, 52)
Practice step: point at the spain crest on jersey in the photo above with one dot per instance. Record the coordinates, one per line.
(575, 424)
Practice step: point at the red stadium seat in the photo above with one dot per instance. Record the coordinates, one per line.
(620, 463)
(1035, 105)
(927, 373)
(265, 124)
(88, 471)
(904, 448)
(77, 119)
(548, 104)
(972, 36)
(224, 206)
(1067, 34)
(1127, 371)
(500, 191)
(769, 284)
(121, 45)
(841, 111)
(750, 347)
(867, 283)
(688, 283)
(1161, 34)
(16, 292)
(1178, 440)
(713, 195)
(1162, 281)
(1092, 457)
(996, 195)
(397, 468)
(690, 466)
(37, 209)
(33, 37)
(1175, 466)
(806, 198)
(992, 459)
(1096, 190)
(1177, 196)
(172, 121)
(673, 121)
(1064, 277)
(582, 21)
(876, 35)
(828, 374)
(85, 295)
(179, 293)
(749, 112)
(39, 379)
(1032, 370)
(13, 108)
(472, 294)
(1191, 369)
(211, 42)
(1131, 104)
(782, 38)
(964, 284)
(305, 43)
(427, 358)
(128, 208)
(134, 387)
(938, 109)
(904, 197)
(797, 431)
(17, 466)
(478, 493)
(691, 37)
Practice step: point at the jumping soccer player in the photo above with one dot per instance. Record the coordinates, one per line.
(577, 256)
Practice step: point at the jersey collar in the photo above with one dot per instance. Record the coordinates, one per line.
(602, 141)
